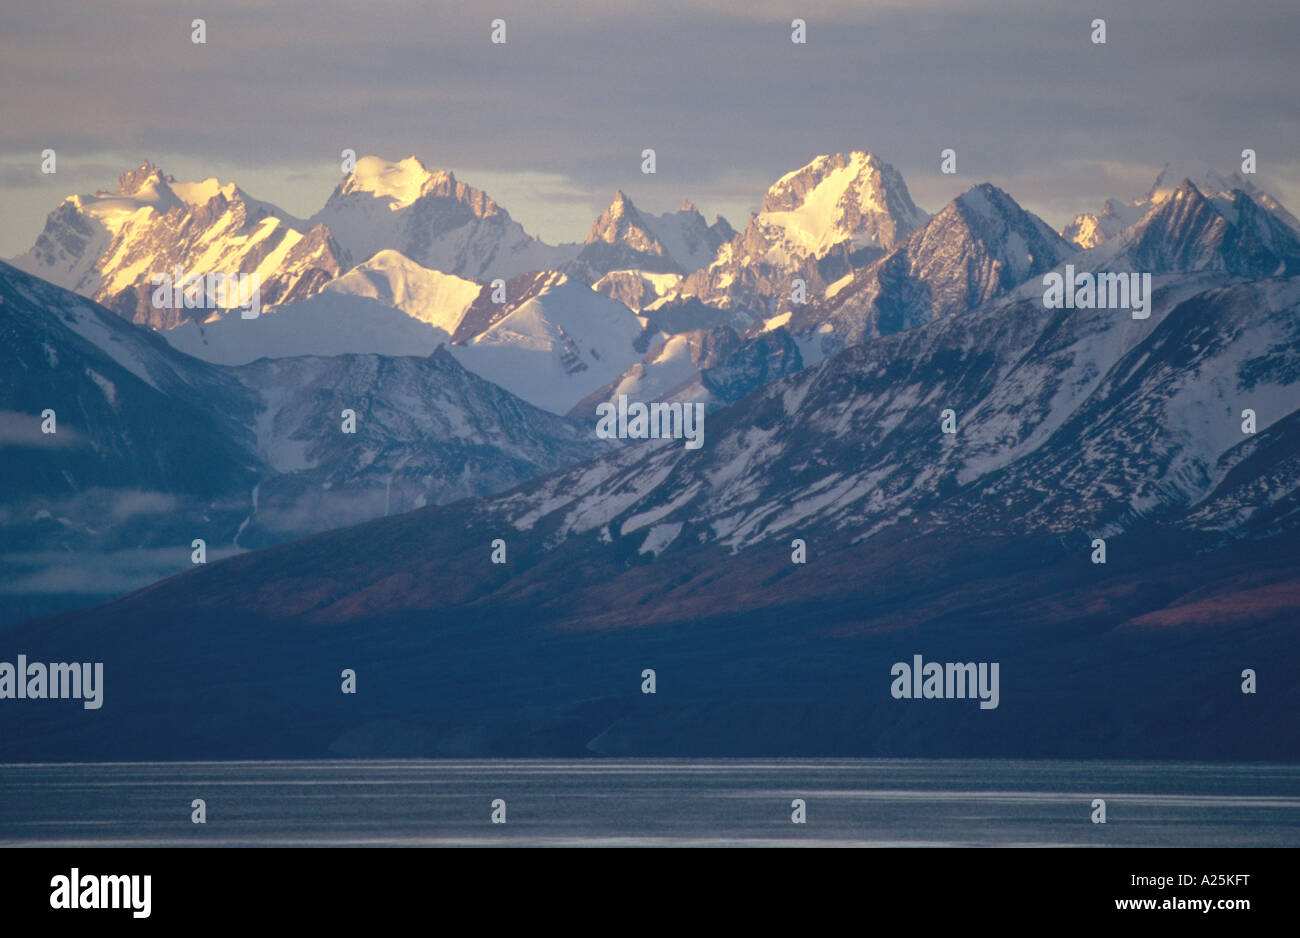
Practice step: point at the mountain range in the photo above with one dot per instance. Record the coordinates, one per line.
(942, 448)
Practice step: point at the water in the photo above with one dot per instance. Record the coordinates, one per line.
(859, 802)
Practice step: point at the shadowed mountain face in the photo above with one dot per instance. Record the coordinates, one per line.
(152, 449)
(1234, 233)
(428, 432)
(1071, 426)
(129, 411)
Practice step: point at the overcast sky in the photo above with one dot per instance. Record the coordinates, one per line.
(552, 122)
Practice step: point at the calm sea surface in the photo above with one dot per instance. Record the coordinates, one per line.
(851, 802)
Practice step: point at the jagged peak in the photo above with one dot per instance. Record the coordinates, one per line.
(983, 193)
(988, 213)
(1225, 195)
(986, 201)
(1186, 189)
(147, 184)
(790, 190)
(622, 223)
(620, 206)
(852, 197)
(1186, 203)
(319, 235)
(1206, 180)
(1174, 204)
(825, 163)
(145, 176)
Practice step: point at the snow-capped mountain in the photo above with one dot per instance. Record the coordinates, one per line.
(329, 323)
(434, 220)
(421, 234)
(851, 201)
(1069, 421)
(625, 239)
(553, 342)
(427, 432)
(669, 365)
(1075, 423)
(1187, 231)
(1091, 229)
(388, 305)
(431, 296)
(980, 246)
(836, 214)
(1214, 184)
(108, 246)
